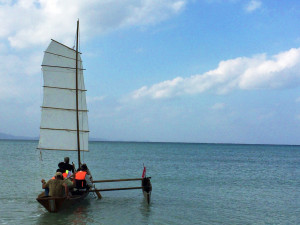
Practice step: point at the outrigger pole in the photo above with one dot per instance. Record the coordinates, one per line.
(146, 186)
(116, 180)
(116, 189)
(77, 114)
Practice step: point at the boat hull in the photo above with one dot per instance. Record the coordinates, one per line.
(55, 204)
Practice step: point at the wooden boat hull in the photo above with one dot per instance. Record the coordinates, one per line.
(54, 204)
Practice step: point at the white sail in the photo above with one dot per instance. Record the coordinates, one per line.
(58, 129)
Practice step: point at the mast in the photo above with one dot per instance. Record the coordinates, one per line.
(77, 113)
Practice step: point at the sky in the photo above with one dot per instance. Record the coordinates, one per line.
(203, 71)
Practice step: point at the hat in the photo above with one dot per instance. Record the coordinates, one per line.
(58, 174)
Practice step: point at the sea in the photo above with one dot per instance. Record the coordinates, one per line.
(192, 184)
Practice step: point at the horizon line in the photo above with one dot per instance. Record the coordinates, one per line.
(166, 142)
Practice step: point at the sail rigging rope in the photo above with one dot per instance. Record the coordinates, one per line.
(41, 156)
(41, 87)
(74, 43)
(41, 103)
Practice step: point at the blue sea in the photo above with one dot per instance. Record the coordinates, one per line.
(192, 184)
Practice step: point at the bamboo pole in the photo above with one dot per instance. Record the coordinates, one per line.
(63, 67)
(51, 53)
(72, 89)
(115, 189)
(116, 180)
(97, 192)
(77, 114)
(79, 110)
(46, 128)
(64, 45)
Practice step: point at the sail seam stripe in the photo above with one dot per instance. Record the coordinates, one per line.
(63, 67)
(46, 128)
(73, 89)
(46, 107)
(62, 56)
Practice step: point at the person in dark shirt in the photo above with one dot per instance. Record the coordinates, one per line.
(65, 165)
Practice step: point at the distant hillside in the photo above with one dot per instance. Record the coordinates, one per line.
(4, 136)
(97, 139)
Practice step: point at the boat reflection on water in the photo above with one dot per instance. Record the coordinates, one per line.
(75, 214)
(145, 210)
(81, 216)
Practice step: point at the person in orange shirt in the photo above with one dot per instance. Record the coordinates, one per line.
(83, 178)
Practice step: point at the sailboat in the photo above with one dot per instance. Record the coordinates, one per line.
(64, 120)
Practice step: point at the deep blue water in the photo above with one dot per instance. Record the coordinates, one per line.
(192, 184)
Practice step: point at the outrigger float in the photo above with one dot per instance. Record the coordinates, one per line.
(64, 122)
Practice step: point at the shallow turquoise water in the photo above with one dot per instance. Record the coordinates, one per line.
(192, 184)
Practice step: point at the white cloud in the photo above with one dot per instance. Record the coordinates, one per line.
(218, 106)
(258, 72)
(95, 99)
(27, 25)
(139, 50)
(31, 22)
(266, 116)
(17, 75)
(253, 5)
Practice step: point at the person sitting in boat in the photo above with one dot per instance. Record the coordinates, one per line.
(53, 178)
(69, 179)
(66, 165)
(56, 186)
(83, 178)
(67, 174)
